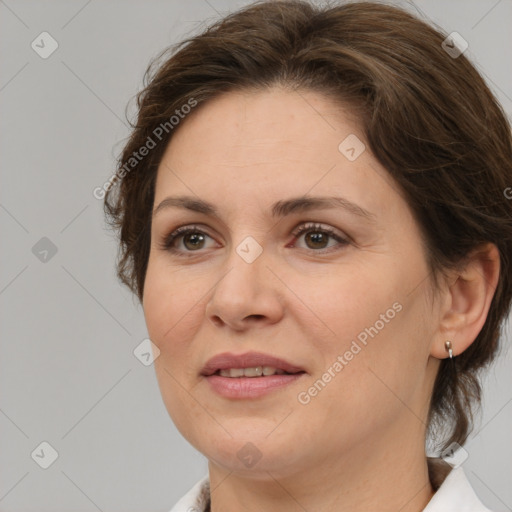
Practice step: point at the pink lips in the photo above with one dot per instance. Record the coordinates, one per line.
(248, 387)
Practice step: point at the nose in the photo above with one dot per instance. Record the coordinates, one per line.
(247, 295)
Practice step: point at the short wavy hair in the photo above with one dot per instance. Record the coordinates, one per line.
(427, 115)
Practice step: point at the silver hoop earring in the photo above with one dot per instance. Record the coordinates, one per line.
(448, 347)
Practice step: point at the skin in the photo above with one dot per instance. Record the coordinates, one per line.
(358, 445)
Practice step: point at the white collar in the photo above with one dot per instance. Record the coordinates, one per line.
(196, 499)
(454, 495)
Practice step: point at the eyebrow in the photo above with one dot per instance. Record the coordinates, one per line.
(279, 209)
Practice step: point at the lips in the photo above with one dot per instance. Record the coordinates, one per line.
(223, 375)
(227, 360)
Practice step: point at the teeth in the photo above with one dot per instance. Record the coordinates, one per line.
(269, 370)
(233, 372)
(252, 372)
(256, 371)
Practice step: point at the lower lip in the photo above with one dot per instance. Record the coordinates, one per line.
(250, 387)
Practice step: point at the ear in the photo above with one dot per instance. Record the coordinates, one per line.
(467, 300)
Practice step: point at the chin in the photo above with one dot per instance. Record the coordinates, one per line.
(252, 452)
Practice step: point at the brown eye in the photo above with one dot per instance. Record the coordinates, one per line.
(185, 239)
(193, 241)
(316, 239)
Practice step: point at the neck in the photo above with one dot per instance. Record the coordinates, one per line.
(370, 477)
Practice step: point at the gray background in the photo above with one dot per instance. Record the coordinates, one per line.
(68, 374)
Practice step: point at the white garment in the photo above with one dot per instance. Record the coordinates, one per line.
(454, 495)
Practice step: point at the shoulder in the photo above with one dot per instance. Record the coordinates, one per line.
(455, 495)
(196, 499)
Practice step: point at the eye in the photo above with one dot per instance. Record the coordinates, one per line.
(317, 237)
(191, 239)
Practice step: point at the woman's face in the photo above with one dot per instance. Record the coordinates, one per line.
(349, 308)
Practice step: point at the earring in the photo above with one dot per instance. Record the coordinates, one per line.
(448, 347)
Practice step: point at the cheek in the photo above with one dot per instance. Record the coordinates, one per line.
(369, 332)
(171, 318)
(171, 305)
(345, 304)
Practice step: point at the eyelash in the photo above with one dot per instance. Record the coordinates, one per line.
(168, 240)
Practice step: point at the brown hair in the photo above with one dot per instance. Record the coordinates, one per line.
(428, 118)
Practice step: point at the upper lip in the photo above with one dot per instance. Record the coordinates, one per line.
(228, 360)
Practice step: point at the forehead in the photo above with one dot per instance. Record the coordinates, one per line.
(259, 145)
(254, 123)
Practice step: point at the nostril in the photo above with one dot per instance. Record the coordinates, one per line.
(217, 321)
(255, 317)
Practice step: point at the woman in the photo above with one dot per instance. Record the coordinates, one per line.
(312, 213)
